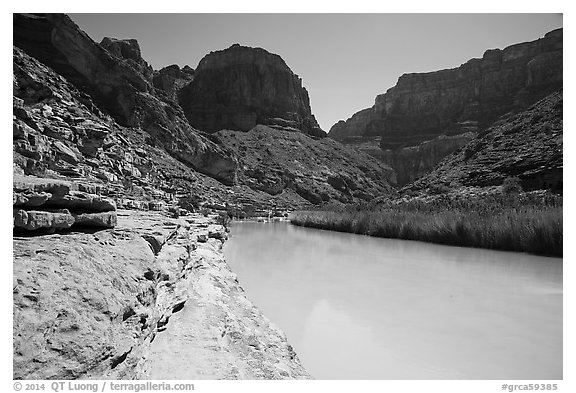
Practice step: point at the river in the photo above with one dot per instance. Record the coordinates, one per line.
(357, 307)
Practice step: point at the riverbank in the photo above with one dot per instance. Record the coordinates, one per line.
(97, 304)
(525, 222)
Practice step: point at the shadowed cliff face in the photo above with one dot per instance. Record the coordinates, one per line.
(527, 145)
(172, 78)
(456, 101)
(120, 82)
(468, 98)
(240, 87)
(415, 161)
(129, 50)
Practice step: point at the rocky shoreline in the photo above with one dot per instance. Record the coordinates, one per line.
(152, 298)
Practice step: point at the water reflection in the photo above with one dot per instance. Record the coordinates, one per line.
(356, 307)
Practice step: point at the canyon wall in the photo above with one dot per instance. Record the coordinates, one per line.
(119, 82)
(469, 98)
(527, 145)
(240, 87)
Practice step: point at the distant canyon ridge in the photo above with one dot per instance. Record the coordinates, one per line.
(427, 116)
(238, 130)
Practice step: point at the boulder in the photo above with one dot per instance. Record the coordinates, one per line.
(58, 188)
(30, 199)
(216, 232)
(55, 204)
(33, 219)
(98, 220)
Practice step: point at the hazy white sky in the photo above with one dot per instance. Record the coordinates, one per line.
(344, 60)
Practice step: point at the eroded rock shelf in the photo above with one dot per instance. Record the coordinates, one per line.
(151, 298)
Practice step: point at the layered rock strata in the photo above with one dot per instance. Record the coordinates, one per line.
(528, 145)
(100, 317)
(172, 79)
(412, 162)
(59, 133)
(118, 85)
(469, 98)
(241, 87)
(49, 204)
(128, 49)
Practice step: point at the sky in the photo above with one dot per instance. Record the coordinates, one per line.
(344, 60)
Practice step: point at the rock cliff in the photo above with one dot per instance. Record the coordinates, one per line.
(240, 87)
(129, 50)
(413, 162)
(469, 98)
(528, 145)
(172, 78)
(59, 133)
(118, 86)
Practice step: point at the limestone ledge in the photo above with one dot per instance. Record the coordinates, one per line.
(152, 298)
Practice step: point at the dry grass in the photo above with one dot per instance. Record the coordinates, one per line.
(526, 223)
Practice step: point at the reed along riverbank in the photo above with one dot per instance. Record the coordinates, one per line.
(523, 222)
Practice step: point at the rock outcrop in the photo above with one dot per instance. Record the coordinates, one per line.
(128, 49)
(527, 145)
(241, 87)
(423, 106)
(118, 85)
(172, 79)
(96, 305)
(59, 133)
(413, 162)
(49, 204)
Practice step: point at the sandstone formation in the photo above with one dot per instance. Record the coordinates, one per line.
(527, 145)
(101, 316)
(118, 85)
(172, 79)
(413, 162)
(49, 204)
(286, 163)
(130, 51)
(240, 87)
(469, 98)
(59, 133)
